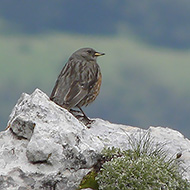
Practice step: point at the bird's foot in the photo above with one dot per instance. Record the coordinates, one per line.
(88, 122)
(85, 120)
(81, 116)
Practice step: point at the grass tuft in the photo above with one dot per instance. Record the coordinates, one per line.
(145, 166)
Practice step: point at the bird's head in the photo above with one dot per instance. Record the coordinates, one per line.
(88, 54)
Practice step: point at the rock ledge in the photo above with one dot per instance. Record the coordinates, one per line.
(45, 147)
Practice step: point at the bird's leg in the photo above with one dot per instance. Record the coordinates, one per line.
(88, 121)
(74, 111)
(83, 112)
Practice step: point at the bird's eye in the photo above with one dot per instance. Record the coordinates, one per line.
(89, 51)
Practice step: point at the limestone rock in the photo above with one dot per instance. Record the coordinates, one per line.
(45, 147)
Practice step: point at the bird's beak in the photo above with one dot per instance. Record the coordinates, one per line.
(99, 54)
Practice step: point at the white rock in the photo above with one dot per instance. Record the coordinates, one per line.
(46, 147)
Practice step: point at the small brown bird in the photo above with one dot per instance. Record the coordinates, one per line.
(79, 82)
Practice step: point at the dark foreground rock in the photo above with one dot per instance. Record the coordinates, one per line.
(46, 148)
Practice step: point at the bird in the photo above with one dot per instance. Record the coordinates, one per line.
(78, 83)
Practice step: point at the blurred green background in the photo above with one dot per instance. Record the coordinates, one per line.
(145, 71)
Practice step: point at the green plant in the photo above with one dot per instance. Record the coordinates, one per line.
(89, 181)
(144, 167)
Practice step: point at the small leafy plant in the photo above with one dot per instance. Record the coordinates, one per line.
(89, 181)
(145, 166)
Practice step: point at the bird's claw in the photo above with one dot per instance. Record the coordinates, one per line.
(86, 121)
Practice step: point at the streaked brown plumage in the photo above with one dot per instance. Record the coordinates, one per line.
(79, 82)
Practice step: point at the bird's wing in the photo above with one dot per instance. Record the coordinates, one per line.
(62, 84)
(74, 82)
(81, 85)
(75, 94)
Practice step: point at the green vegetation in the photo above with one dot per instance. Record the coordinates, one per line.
(145, 165)
(131, 171)
(142, 85)
(89, 181)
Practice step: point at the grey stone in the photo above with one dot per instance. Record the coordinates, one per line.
(60, 150)
(22, 128)
(22, 188)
